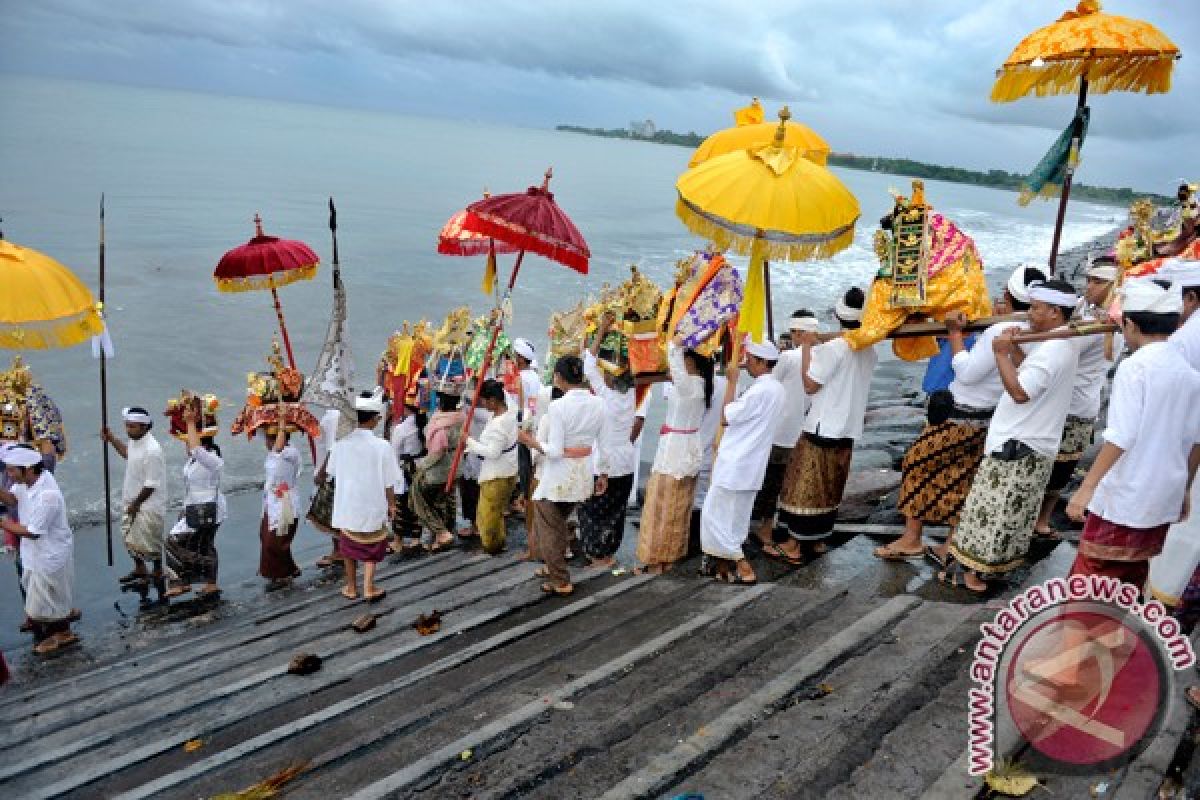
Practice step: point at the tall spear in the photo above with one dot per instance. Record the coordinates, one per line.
(104, 402)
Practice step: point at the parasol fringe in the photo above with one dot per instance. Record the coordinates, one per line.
(487, 225)
(1050, 191)
(49, 334)
(273, 281)
(814, 248)
(1149, 74)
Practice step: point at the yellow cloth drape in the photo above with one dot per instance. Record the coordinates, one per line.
(489, 270)
(751, 318)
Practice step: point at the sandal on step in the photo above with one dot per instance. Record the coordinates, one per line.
(561, 591)
(931, 555)
(955, 576)
(776, 553)
(888, 553)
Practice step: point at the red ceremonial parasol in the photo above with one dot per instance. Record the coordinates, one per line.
(267, 262)
(453, 240)
(529, 220)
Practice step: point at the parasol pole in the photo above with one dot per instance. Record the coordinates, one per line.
(767, 288)
(1072, 158)
(483, 368)
(104, 404)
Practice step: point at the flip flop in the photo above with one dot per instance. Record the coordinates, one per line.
(351, 597)
(375, 598)
(541, 572)
(1052, 535)
(438, 547)
(561, 591)
(176, 591)
(954, 576)
(888, 554)
(775, 553)
(736, 578)
(931, 555)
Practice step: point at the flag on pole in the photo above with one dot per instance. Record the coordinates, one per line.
(1046, 180)
(749, 115)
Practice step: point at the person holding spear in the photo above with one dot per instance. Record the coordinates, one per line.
(144, 494)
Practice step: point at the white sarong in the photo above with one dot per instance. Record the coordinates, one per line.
(48, 594)
(725, 521)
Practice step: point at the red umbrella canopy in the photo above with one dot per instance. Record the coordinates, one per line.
(530, 221)
(454, 241)
(265, 262)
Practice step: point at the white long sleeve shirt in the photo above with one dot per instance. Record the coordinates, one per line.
(1187, 340)
(620, 408)
(43, 511)
(574, 421)
(497, 446)
(202, 484)
(746, 445)
(680, 443)
(1048, 376)
(976, 381)
(838, 409)
(1154, 417)
(282, 468)
(789, 371)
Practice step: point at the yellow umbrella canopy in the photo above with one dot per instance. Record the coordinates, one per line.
(768, 203)
(43, 304)
(1111, 52)
(760, 134)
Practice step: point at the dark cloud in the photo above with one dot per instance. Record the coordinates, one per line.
(862, 69)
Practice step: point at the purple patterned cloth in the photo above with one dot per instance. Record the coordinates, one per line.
(716, 304)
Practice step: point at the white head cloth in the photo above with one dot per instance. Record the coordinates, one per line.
(21, 456)
(136, 415)
(805, 325)
(1147, 296)
(373, 402)
(524, 348)
(1184, 274)
(1017, 285)
(1103, 272)
(1054, 297)
(845, 312)
(765, 350)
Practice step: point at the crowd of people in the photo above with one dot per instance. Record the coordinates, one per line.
(758, 464)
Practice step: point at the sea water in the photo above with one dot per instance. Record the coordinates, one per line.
(184, 174)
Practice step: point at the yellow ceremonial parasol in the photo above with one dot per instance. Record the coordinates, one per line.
(1085, 50)
(751, 131)
(768, 203)
(43, 304)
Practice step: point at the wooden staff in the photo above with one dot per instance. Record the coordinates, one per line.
(913, 329)
(1069, 331)
(108, 535)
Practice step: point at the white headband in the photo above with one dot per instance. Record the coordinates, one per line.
(845, 313)
(1103, 273)
(22, 456)
(765, 350)
(523, 348)
(1149, 297)
(373, 403)
(1054, 297)
(1185, 274)
(805, 325)
(139, 417)
(1016, 285)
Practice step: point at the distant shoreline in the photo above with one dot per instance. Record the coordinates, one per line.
(992, 179)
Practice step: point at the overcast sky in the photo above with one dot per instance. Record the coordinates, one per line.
(879, 77)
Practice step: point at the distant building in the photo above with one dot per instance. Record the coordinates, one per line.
(642, 130)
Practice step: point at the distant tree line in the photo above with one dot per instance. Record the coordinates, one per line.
(993, 178)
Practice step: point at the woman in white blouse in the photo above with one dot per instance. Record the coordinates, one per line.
(667, 512)
(281, 499)
(191, 553)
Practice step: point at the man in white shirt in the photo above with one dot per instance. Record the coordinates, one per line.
(47, 547)
(526, 406)
(365, 473)
(996, 524)
(790, 372)
(570, 431)
(1096, 355)
(602, 517)
(1140, 481)
(1186, 275)
(144, 493)
(838, 381)
(497, 446)
(741, 462)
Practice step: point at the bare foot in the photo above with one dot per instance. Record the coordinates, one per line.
(178, 591)
(606, 563)
(350, 593)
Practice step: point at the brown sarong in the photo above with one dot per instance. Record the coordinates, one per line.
(666, 519)
(553, 538)
(938, 469)
(766, 502)
(813, 486)
(275, 560)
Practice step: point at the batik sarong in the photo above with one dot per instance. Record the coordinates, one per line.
(995, 526)
(191, 556)
(602, 518)
(434, 507)
(666, 519)
(813, 486)
(143, 535)
(938, 469)
(320, 512)
(1077, 435)
(553, 538)
(766, 502)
